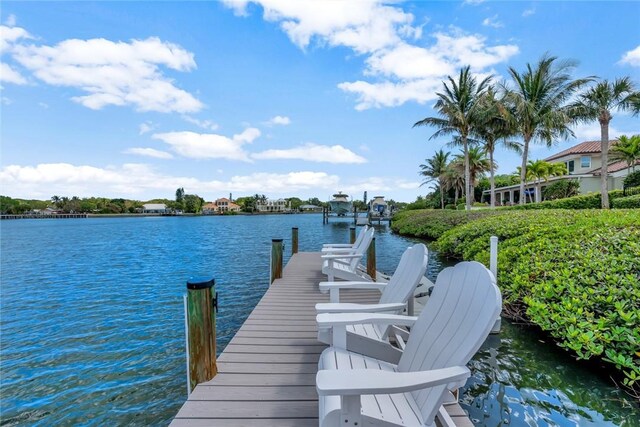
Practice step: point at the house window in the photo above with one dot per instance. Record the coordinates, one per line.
(585, 162)
(570, 166)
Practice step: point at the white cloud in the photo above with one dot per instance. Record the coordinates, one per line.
(113, 73)
(149, 152)
(390, 94)
(140, 180)
(591, 132)
(492, 22)
(632, 57)
(529, 12)
(363, 26)
(9, 75)
(209, 146)
(397, 69)
(204, 124)
(146, 127)
(43, 105)
(473, 2)
(279, 120)
(314, 153)
(6, 101)
(9, 35)
(11, 20)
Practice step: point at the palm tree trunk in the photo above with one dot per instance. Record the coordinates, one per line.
(492, 180)
(455, 197)
(467, 175)
(523, 169)
(441, 193)
(604, 148)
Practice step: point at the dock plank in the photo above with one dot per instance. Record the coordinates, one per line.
(266, 374)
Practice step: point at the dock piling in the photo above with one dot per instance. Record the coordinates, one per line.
(371, 259)
(352, 235)
(201, 303)
(294, 240)
(277, 249)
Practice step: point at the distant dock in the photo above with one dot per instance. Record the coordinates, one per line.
(266, 374)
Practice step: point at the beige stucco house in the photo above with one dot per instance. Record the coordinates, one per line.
(584, 163)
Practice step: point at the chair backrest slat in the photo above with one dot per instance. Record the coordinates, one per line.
(454, 323)
(362, 247)
(405, 279)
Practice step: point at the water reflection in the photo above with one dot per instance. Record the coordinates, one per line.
(518, 379)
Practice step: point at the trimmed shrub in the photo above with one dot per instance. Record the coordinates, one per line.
(430, 224)
(561, 189)
(630, 202)
(450, 206)
(587, 201)
(632, 180)
(574, 273)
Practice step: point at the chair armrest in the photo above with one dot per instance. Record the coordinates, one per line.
(325, 286)
(342, 256)
(337, 250)
(344, 319)
(359, 308)
(337, 245)
(373, 381)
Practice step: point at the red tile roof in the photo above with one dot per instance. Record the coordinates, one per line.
(587, 147)
(614, 167)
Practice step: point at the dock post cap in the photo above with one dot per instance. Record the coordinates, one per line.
(200, 282)
(295, 228)
(276, 240)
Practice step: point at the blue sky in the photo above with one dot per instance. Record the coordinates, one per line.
(136, 99)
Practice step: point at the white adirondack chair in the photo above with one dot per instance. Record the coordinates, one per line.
(371, 339)
(345, 265)
(357, 390)
(345, 247)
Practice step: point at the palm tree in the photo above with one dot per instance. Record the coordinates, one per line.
(456, 107)
(478, 165)
(434, 169)
(453, 179)
(493, 128)
(537, 103)
(598, 103)
(541, 170)
(626, 150)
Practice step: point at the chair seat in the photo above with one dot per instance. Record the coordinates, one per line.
(399, 409)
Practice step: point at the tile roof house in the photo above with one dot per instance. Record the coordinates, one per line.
(220, 206)
(584, 163)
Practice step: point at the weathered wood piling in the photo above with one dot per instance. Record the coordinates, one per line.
(371, 259)
(277, 249)
(201, 304)
(294, 240)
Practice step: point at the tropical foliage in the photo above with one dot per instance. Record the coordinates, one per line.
(573, 273)
(626, 150)
(598, 103)
(434, 169)
(456, 107)
(537, 103)
(561, 189)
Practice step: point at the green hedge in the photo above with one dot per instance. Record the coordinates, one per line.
(574, 273)
(587, 201)
(630, 202)
(632, 180)
(430, 223)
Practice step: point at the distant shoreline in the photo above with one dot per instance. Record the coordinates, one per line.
(141, 215)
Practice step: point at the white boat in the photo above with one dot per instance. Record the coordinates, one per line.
(378, 206)
(340, 204)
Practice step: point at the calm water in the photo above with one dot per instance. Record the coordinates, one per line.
(92, 328)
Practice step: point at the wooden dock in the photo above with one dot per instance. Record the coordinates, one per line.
(267, 372)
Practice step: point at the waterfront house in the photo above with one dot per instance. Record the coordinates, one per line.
(584, 163)
(220, 206)
(310, 208)
(157, 208)
(269, 205)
